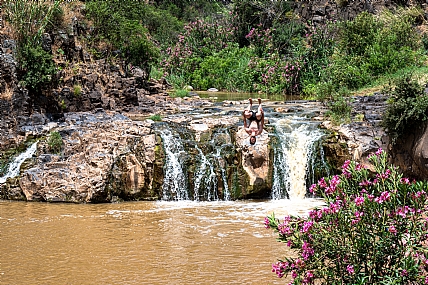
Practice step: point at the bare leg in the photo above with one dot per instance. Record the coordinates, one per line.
(259, 110)
(247, 111)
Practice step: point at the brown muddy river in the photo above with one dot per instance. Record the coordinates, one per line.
(141, 242)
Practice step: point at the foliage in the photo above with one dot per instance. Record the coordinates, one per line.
(320, 40)
(288, 38)
(77, 90)
(372, 230)
(339, 107)
(117, 23)
(371, 46)
(227, 70)
(276, 74)
(19, 13)
(180, 93)
(55, 142)
(200, 39)
(36, 67)
(407, 108)
(265, 14)
(155, 117)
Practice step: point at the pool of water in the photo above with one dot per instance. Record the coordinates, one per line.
(142, 242)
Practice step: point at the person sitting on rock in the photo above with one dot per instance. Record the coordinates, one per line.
(254, 126)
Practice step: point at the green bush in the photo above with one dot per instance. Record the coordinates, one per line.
(339, 107)
(118, 23)
(225, 70)
(372, 230)
(55, 142)
(407, 108)
(320, 43)
(180, 93)
(156, 117)
(36, 67)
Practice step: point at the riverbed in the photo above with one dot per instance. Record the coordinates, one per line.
(187, 242)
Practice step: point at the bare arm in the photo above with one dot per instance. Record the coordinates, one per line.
(245, 120)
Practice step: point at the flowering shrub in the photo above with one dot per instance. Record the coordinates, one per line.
(276, 75)
(373, 230)
(199, 40)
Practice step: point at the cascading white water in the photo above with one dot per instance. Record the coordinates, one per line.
(207, 177)
(175, 181)
(226, 192)
(14, 167)
(293, 156)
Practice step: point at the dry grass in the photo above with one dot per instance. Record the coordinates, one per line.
(7, 94)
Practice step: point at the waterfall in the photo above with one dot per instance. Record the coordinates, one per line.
(205, 176)
(14, 167)
(199, 169)
(295, 153)
(194, 169)
(175, 180)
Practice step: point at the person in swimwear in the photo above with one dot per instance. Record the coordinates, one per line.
(254, 126)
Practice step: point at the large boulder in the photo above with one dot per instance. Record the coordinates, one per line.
(256, 163)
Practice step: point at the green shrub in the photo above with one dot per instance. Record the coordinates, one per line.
(339, 107)
(77, 90)
(225, 70)
(156, 117)
(118, 22)
(55, 142)
(29, 20)
(180, 93)
(372, 230)
(320, 43)
(36, 67)
(201, 38)
(407, 108)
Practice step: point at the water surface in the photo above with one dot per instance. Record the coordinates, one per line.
(142, 242)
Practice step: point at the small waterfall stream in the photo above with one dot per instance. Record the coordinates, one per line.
(14, 167)
(175, 181)
(296, 155)
(195, 170)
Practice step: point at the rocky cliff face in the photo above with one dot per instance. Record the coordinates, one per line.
(107, 157)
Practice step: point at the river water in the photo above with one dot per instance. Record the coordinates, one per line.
(159, 242)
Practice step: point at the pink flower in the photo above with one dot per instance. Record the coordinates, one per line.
(307, 226)
(279, 268)
(350, 269)
(359, 200)
(392, 230)
(307, 250)
(266, 222)
(384, 196)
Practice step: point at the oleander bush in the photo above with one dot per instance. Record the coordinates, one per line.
(372, 230)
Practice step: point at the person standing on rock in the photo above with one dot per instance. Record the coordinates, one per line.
(253, 121)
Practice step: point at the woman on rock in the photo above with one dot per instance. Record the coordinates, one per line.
(254, 126)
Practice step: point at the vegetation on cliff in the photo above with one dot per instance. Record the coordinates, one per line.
(247, 46)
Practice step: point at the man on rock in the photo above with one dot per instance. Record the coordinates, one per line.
(253, 120)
